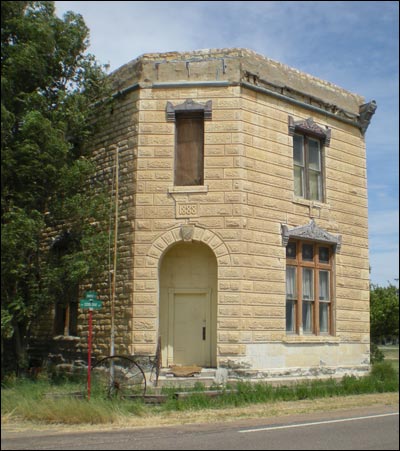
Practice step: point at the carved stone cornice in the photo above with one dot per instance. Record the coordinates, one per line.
(310, 232)
(367, 110)
(189, 106)
(309, 127)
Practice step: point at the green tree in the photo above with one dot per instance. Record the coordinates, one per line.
(48, 87)
(384, 312)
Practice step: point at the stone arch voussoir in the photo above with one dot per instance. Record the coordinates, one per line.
(188, 233)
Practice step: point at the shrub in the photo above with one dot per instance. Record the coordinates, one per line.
(376, 354)
(384, 371)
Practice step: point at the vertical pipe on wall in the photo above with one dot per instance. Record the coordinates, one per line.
(112, 347)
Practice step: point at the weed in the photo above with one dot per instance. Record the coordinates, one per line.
(29, 400)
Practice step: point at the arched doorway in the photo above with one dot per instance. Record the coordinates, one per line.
(188, 305)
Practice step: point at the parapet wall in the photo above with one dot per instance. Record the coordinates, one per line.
(231, 66)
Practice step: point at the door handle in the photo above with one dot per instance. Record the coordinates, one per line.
(204, 332)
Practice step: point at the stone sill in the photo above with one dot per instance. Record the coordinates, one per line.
(294, 375)
(310, 339)
(310, 203)
(66, 338)
(188, 189)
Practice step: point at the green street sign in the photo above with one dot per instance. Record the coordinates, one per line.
(95, 304)
(91, 301)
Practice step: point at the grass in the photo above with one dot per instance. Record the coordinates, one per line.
(26, 400)
(383, 378)
(391, 354)
(29, 401)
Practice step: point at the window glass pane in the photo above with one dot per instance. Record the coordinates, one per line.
(291, 290)
(307, 317)
(291, 294)
(323, 253)
(308, 252)
(298, 153)
(299, 181)
(290, 316)
(308, 284)
(324, 317)
(315, 185)
(324, 285)
(314, 155)
(291, 250)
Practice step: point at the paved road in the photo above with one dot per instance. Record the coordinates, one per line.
(359, 429)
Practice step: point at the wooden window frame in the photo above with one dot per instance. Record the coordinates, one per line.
(306, 170)
(66, 319)
(316, 265)
(189, 109)
(309, 129)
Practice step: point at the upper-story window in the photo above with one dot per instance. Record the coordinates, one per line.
(309, 141)
(189, 120)
(189, 149)
(307, 163)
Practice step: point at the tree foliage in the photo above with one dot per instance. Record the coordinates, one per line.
(48, 84)
(384, 312)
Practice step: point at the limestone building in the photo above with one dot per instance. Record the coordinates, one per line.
(243, 228)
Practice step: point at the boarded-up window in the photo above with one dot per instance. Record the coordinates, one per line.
(189, 149)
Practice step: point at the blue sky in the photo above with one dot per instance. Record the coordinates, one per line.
(353, 44)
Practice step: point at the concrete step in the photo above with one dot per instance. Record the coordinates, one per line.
(206, 377)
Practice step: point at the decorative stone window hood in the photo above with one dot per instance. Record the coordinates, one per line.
(189, 106)
(308, 126)
(310, 232)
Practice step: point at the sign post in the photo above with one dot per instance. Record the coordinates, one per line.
(90, 302)
(89, 353)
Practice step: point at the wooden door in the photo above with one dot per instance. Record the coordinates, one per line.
(190, 334)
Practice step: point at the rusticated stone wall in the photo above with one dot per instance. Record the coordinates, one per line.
(239, 211)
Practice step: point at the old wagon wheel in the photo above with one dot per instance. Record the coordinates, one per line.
(118, 376)
(156, 364)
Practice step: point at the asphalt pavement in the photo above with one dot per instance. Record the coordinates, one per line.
(367, 428)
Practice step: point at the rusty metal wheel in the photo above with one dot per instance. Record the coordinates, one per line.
(118, 377)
